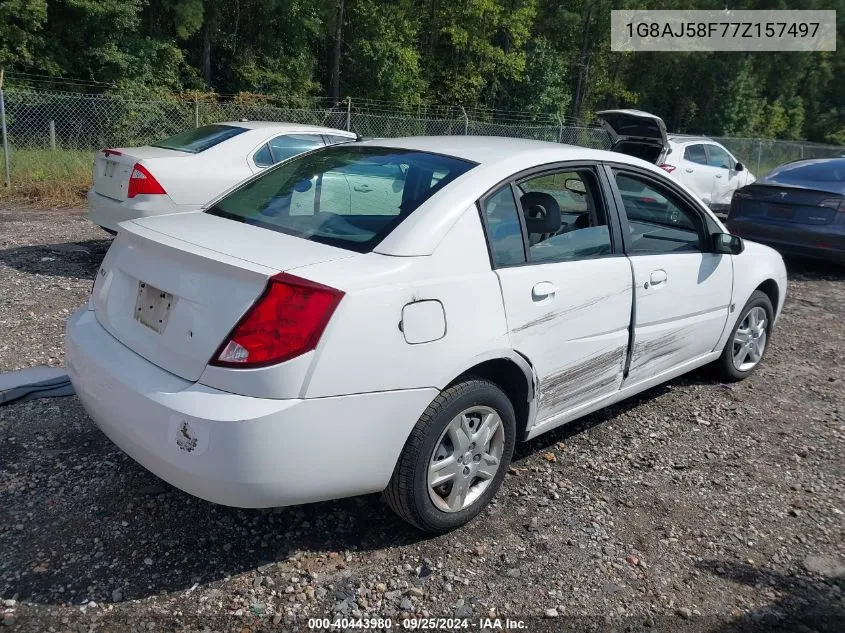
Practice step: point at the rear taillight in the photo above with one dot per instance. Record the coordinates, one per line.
(286, 321)
(837, 204)
(667, 167)
(142, 182)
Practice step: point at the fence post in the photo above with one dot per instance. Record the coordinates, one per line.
(196, 111)
(5, 138)
(466, 120)
(759, 155)
(560, 129)
(348, 114)
(802, 150)
(52, 127)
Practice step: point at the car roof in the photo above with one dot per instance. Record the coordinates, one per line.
(691, 138)
(283, 126)
(498, 160)
(490, 150)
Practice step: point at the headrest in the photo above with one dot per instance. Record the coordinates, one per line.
(542, 212)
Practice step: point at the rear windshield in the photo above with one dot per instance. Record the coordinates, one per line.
(200, 139)
(347, 196)
(808, 173)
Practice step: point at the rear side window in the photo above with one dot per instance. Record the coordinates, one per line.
(696, 154)
(334, 140)
(350, 196)
(200, 139)
(285, 146)
(503, 227)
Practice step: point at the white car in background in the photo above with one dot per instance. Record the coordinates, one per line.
(186, 171)
(700, 163)
(300, 341)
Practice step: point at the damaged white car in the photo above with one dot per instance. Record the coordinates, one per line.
(313, 336)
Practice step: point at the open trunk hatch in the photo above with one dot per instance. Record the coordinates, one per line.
(172, 288)
(636, 133)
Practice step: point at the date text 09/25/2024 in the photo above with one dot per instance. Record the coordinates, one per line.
(417, 624)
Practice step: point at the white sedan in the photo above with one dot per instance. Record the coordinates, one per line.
(187, 171)
(313, 336)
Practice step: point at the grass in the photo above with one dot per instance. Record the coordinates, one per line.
(44, 177)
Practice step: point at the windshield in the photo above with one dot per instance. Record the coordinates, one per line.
(347, 196)
(200, 139)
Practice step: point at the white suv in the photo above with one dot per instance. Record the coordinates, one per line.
(700, 163)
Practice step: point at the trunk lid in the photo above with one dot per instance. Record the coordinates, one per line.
(636, 133)
(113, 167)
(172, 288)
(786, 204)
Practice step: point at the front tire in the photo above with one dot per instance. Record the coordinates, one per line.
(456, 457)
(749, 339)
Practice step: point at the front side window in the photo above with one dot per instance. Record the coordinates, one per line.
(351, 196)
(564, 216)
(200, 139)
(696, 154)
(718, 157)
(285, 146)
(660, 221)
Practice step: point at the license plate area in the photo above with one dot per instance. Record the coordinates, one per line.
(152, 307)
(108, 168)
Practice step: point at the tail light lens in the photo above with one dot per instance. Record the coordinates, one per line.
(142, 182)
(667, 167)
(286, 321)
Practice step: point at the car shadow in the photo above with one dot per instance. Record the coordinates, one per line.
(702, 376)
(804, 603)
(801, 268)
(131, 531)
(78, 260)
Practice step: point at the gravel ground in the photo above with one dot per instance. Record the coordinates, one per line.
(692, 504)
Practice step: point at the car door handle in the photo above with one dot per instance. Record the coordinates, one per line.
(718, 175)
(689, 170)
(658, 277)
(362, 188)
(543, 290)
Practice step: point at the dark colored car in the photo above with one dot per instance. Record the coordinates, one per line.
(797, 208)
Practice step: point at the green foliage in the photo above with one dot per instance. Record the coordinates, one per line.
(542, 57)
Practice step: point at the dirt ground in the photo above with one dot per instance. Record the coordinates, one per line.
(692, 504)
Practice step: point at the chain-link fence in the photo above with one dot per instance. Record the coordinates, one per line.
(43, 120)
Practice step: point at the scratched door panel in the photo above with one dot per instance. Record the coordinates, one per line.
(576, 339)
(682, 317)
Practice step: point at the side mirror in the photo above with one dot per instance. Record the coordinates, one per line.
(739, 167)
(727, 244)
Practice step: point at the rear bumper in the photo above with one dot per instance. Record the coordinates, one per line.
(108, 213)
(817, 242)
(237, 450)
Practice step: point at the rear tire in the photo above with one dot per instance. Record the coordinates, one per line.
(749, 339)
(455, 458)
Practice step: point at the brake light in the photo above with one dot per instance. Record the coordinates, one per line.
(667, 167)
(142, 181)
(111, 152)
(286, 321)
